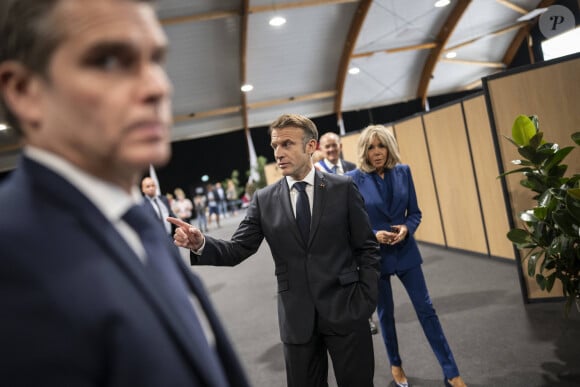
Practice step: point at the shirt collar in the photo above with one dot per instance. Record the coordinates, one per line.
(309, 178)
(110, 199)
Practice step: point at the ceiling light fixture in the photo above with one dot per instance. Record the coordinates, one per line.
(247, 87)
(354, 70)
(442, 3)
(451, 55)
(277, 21)
(3, 126)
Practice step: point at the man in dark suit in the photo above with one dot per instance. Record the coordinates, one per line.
(326, 259)
(158, 203)
(92, 292)
(332, 148)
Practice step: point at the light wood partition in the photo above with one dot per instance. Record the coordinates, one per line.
(482, 149)
(454, 179)
(551, 91)
(349, 143)
(413, 149)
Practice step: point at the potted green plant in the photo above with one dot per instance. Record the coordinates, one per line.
(550, 235)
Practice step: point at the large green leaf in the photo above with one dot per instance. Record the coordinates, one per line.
(557, 157)
(576, 138)
(565, 222)
(550, 281)
(523, 130)
(519, 236)
(532, 261)
(573, 203)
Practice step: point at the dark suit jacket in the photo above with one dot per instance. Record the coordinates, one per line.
(167, 206)
(336, 273)
(347, 165)
(402, 210)
(77, 307)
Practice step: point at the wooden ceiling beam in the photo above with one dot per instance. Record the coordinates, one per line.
(474, 62)
(208, 113)
(512, 6)
(215, 15)
(522, 34)
(413, 47)
(347, 51)
(298, 4)
(488, 35)
(435, 54)
(199, 17)
(300, 98)
(254, 105)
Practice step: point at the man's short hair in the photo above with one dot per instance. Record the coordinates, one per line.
(30, 35)
(297, 121)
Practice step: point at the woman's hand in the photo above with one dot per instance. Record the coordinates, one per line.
(396, 235)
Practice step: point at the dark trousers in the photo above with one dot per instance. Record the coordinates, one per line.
(414, 282)
(352, 358)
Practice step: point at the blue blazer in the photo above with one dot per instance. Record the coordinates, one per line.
(77, 306)
(403, 209)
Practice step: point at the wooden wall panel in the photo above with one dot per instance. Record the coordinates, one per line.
(454, 179)
(495, 218)
(349, 143)
(413, 151)
(551, 92)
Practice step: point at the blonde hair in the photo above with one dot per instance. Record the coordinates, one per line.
(386, 138)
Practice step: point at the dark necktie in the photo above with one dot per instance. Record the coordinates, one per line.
(303, 210)
(159, 213)
(164, 272)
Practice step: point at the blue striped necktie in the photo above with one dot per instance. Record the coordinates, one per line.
(163, 271)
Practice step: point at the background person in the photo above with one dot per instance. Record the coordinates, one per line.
(159, 203)
(391, 202)
(331, 146)
(326, 259)
(84, 297)
(182, 206)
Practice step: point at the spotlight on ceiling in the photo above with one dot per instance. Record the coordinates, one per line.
(442, 3)
(354, 70)
(247, 87)
(451, 55)
(3, 126)
(277, 21)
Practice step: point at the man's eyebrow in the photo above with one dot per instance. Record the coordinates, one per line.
(119, 47)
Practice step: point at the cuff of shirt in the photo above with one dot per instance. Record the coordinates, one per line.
(200, 250)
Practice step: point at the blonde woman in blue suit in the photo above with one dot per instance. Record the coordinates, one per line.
(389, 193)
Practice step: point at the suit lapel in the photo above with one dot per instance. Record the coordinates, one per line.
(99, 227)
(320, 190)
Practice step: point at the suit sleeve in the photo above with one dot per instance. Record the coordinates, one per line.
(413, 215)
(244, 243)
(364, 243)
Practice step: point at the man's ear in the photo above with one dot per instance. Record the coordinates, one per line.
(20, 89)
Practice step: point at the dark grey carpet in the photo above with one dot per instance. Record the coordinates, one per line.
(496, 339)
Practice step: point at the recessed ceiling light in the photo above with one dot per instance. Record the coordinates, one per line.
(451, 55)
(247, 87)
(3, 126)
(442, 3)
(277, 21)
(354, 70)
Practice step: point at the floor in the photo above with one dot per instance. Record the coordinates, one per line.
(497, 340)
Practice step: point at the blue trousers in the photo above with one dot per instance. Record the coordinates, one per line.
(414, 282)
